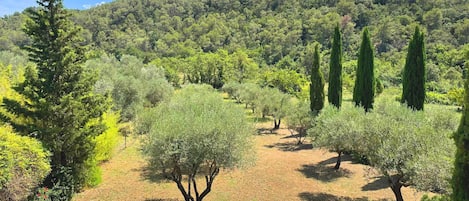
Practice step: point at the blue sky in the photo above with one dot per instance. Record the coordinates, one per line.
(8, 7)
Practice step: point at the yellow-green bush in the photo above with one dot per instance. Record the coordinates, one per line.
(106, 142)
(23, 165)
(105, 146)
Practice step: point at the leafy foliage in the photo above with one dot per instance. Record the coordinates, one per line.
(299, 120)
(214, 135)
(23, 165)
(461, 165)
(59, 101)
(408, 148)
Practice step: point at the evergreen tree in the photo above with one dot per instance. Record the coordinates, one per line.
(364, 89)
(59, 107)
(334, 92)
(460, 182)
(316, 90)
(413, 82)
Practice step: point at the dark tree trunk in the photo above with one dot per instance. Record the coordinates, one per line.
(396, 189)
(396, 186)
(277, 124)
(339, 160)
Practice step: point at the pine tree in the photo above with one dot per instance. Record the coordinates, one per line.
(59, 102)
(460, 182)
(364, 89)
(334, 92)
(316, 90)
(413, 82)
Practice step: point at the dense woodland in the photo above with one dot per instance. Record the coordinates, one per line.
(272, 35)
(124, 60)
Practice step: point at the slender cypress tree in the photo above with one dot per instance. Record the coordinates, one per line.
(59, 100)
(413, 82)
(316, 90)
(334, 92)
(364, 89)
(460, 182)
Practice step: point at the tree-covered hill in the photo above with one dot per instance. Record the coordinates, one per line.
(274, 33)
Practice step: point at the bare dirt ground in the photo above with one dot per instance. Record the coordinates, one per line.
(283, 171)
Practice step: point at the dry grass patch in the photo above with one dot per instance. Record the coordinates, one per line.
(283, 171)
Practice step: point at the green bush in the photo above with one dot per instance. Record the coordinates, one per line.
(105, 146)
(107, 141)
(435, 198)
(437, 98)
(23, 165)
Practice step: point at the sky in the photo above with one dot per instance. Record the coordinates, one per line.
(8, 7)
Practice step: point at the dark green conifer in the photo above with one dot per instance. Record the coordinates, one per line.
(59, 102)
(460, 181)
(334, 92)
(316, 90)
(413, 81)
(364, 89)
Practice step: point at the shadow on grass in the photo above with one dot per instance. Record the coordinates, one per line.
(266, 131)
(149, 174)
(378, 184)
(323, 173)
(307, 196)
(333, 160)
(290, 146)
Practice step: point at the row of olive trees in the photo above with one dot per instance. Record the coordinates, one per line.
(407, 147)
(131, 84)
(262, 101)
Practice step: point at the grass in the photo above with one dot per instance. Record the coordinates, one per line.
(282, 172)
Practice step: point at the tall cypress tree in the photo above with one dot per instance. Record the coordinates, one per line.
(460, 182)
(334, 92)
(59, 100)
(316, 90)
(364, 89)
(413, 82)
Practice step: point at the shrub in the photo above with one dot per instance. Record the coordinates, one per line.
(23, 165)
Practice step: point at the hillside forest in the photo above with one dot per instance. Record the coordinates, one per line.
(381, 81)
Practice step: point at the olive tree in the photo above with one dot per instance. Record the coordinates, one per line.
(299, 120)
(196, 134)
(410, 148)
(338, 131)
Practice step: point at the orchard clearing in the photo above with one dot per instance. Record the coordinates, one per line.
(282, 171)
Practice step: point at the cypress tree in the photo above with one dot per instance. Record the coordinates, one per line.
(59, 104)
(364, 89)
(413, 82)
(316, 90)
(334, 92)
(460, 181)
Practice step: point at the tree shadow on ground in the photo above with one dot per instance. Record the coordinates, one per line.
(290, 146)
(323, 173)
(378, 184)
(150, 174)
(307, 196)
(333, 160)
(161, 199)
(266, 131)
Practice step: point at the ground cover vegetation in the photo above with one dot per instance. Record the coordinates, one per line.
(73, 82)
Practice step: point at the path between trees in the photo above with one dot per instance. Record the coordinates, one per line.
(283, 171)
